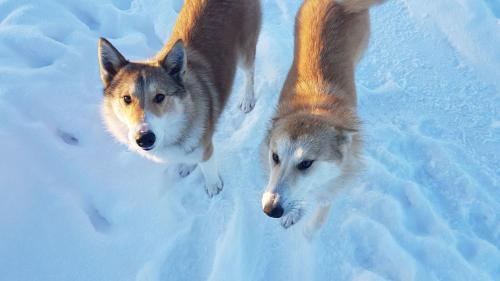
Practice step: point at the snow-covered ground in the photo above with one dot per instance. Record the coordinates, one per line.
(75, 205)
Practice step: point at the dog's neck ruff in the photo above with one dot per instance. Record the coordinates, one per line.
(194, 126)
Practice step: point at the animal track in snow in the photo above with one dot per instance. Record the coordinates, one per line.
(98, 221)
(86, 17)
(123, 4)
(67, 137)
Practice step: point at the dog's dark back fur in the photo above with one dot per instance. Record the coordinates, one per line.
(328, 42)
(221, 31)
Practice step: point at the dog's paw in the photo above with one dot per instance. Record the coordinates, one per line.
(247, 104)
(309, 232)
(185, 170)
(213, 188)
(291, 218)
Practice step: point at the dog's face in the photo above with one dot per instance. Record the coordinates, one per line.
(144, 104)
(305, 155)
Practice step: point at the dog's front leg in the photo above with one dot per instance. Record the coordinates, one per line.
(185, 170)
(247, 102)
(316, 221)
(213, 182)
(320, 213)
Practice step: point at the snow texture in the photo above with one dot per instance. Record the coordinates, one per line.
(76, 205)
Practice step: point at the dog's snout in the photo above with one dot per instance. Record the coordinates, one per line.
(271, 205)
(146, 140)
(274, 211)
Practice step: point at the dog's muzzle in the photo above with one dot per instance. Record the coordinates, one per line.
(146, 140)
(271, 205)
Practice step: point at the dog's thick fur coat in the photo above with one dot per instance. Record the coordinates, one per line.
(313, 146)
(166, 108)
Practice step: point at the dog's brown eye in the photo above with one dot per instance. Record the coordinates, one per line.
(159, 98)
(127, 99)
(276, 158)
(304, 165)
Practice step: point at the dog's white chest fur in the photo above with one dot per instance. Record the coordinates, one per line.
(180, 154)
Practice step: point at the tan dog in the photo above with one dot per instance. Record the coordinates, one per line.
(312, 148)
(166, 108)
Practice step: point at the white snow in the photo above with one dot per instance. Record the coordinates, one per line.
(76, 205)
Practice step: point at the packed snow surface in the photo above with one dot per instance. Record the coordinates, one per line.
(76, 205)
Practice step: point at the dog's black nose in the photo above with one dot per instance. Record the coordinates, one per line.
(146, 140)
(274, 212)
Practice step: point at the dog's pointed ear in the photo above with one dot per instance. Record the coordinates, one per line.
(175, 61)
(344, 135)
(110, 61)
(341, 139)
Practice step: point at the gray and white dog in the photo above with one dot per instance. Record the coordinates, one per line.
(312, 148)
(167, 108)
